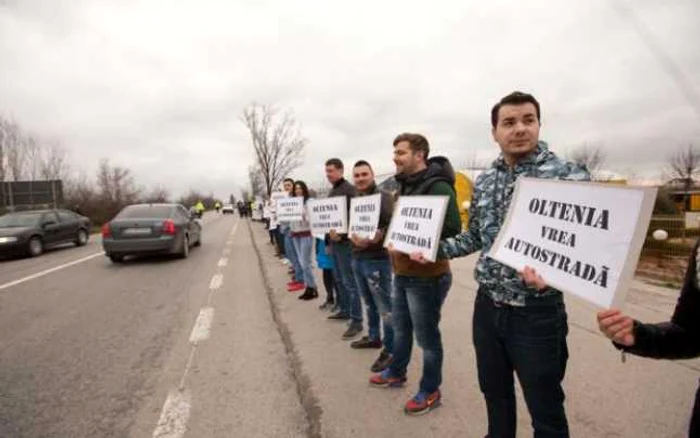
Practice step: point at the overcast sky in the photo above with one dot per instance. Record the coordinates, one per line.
(159, 86)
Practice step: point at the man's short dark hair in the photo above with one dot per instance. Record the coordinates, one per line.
(416, 142)
(335, 162)
(288, 180)
(514, 98)
(363, 163)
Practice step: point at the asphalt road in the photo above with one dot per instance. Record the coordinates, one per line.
(214, 346)
(86, 347)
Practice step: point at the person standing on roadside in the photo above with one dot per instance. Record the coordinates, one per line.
(420, 288)
(372, 269)
(304, 244)
(297, 282)
(519, 325)
(348, 299)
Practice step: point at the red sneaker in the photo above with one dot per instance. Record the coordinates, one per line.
(422, 403)
(386, 380)
(296, 286)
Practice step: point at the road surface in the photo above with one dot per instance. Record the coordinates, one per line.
(214, 346)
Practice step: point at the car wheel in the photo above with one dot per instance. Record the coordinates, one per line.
(116, 258)
(35, 246)
(82, 238)
(185, 247)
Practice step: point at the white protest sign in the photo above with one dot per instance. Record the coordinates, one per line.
(328, 214)
(364, 215)
(417, 224)
(275, 196)
(267, 212)
(582, 238)
(290, 209)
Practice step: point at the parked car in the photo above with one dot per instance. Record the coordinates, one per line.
(227, 208)
(151, 229)
(31, 232)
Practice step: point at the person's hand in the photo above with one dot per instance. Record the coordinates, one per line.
(616, 326)
(359, 242)
(335, 237)
(419, 258)
(532, 279)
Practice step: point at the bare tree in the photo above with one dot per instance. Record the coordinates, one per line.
(277, 143)
(257, 184)
(683, 168)
(592, 157)
(116, 185)
(157, 194)
(54, 162)
(12, 150)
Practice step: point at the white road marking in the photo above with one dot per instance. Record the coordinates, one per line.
(174, 417)
(202, 327)
(216, 281)
(49, 271)
(177, 407)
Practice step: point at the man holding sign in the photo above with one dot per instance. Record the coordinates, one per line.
(516, 328)
(420, 289)
(348, 300)
(370, 261)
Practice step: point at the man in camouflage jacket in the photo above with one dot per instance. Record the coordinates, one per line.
(516, 328)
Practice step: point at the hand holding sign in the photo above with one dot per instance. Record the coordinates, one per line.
(616, 326)
(532, 279)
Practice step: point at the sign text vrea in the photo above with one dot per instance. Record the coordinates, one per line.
(583, 238)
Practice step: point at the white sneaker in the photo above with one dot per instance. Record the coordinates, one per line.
(285, 261)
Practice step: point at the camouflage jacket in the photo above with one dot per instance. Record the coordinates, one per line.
(489, 206)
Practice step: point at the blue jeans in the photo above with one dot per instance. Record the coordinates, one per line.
(416, 306)
(373, 278)
(529, 341)
(348, 298)
(304, 247)
(291, 254)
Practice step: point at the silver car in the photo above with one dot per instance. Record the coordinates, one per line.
(151, 229)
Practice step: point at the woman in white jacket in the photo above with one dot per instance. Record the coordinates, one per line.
(304, 244)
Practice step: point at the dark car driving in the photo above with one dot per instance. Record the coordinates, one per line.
(30, 232)
(151, 229)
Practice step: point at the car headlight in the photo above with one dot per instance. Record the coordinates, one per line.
(11, 239)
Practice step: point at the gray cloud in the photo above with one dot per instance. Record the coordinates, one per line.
(160, 89)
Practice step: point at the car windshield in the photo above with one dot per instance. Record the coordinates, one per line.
(14, 220)
(146, 212)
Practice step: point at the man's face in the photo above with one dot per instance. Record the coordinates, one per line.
(288, 186)
(333, 174)
(406, 161)
(517, 131)
(363, 177)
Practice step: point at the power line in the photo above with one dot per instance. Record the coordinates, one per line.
(656, 48)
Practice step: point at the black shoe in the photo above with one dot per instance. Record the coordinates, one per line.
(326, 305)
(354, 329)
(366, 342)
(340, 316)
(309, 294)
(383, 361)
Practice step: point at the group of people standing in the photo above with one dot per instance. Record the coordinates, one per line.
(519, 323)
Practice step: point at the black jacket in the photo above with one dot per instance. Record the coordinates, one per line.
(678, 338)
